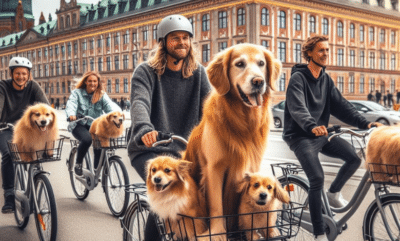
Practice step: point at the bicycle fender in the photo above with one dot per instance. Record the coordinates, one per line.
(41, 172)
(302, 179)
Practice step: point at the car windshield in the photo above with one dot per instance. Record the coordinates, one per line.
(375, 106)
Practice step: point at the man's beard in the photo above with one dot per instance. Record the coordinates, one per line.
(176, 56)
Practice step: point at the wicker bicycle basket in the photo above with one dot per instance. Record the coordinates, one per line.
(384, 174)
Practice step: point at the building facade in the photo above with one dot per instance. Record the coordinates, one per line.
(114, 36)
(15, 16)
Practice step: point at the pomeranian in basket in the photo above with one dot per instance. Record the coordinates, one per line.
(172, 191)
(107, 126)
(260, 193)
(36, 131)
(383, 154)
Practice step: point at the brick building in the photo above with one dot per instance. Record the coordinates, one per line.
(15, 16)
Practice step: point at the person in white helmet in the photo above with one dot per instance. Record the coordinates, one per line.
(167, 95)
(15, 95)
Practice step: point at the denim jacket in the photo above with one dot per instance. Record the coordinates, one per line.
(80, 102)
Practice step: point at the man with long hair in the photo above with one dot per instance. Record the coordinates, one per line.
(167, 95)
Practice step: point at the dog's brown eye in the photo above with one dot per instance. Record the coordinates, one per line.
(256, 184)
(47, 114)
(167, 170)
(262, 63)
(37, 114)
(240, 64)
(269, 187)
(153, 170)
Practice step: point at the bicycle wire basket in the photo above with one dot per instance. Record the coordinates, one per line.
(385, 174)
(51, 152)
(187, 227)
(101, 142)
(287, 168)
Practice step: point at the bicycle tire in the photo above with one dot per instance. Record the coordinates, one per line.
(134, 222)
(373, 226)
(80, 191)
(20, 186)
(113, 175)
(46, 216)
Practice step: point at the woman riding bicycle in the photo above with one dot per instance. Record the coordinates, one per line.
(310, 100)
(15, 95)
(88, 99)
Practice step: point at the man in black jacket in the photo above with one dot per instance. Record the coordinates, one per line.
(310, 100)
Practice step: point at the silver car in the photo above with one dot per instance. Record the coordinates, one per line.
(278, 113)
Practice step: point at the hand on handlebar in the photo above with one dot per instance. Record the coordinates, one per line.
(320, 131)
(72, 118)
(374, 124)
(149, 138)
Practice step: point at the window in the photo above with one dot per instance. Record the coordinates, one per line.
(352, 58)
(325, 26)
(361, 33)
(393, 37)
(297, 53)
(69, 48)
(91, 44)
(134, 61)
(46, 70)
(392, 85)
(116, 85)
(58, 87)
(222, 19)
(63, 87)
(205, 23)
(282, 51)
(134, 37)
(382, 61)
(40, 70)
(76, 48)
(116, 39)
(371, 84)
(241, 18)
(69, 86)
(206, 53)
(109, 86)
(282, 19)
(63, 68)
(265, 17)
(92, 64)
(84, 46)
(126, 37)
(381, 3)
(39, 53)
(382, 36)
(312, 24)
(45, 52)
(352, 30)
(362, 84)
(265, 43)
(371, 34)
(351, 84)
(222, 46)
(125, 61)
(84, 66)
(340, 84)
(108, 41)
(75, 66)
(55, 50)
(282, 82)
(99, 42)
(145, 32)
(155, 32)
(191, 21)
(100, 64)
(393, 62)
(116, 62)
(50, 52)
(340, 29)
(371, 60)
(108, 63)
(340, 57)
(362, 59)
(125, 85)
(297, 22)
(57, 68)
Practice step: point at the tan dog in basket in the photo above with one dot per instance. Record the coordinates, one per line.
(35, 131)
(384, 149)
(107, 126)
(260, 193)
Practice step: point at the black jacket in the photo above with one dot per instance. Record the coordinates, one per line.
(311, 101)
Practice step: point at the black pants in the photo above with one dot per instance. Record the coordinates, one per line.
(306, 152)
(7, 167)
(81, 133)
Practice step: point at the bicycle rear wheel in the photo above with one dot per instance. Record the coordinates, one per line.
(20, 186)
(46, 216)
(80, 191)
(374, 228)
(115, 180)
(134, 222)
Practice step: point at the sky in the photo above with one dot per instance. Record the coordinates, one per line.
(50, 6)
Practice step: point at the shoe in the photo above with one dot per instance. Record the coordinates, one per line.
(321, 237)
(78, 169)
(9, 204)
(336, 199)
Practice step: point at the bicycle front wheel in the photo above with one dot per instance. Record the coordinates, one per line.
(80, 191)
(46, 215)
(374, 227)
(20, 186)
(115, 180)
(134, 222)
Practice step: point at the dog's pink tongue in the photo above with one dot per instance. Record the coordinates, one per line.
(43, 128)
(256, 99)
(158, 187)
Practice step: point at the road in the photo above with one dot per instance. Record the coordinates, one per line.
(92, 220)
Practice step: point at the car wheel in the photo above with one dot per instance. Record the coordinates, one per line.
(383, 121)
(277, 122)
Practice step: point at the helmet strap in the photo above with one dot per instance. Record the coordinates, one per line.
(320, 65)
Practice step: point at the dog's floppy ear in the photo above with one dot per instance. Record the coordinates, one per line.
(53, 113)
(217, 72)
(27, 116)
(274, 68)
(109, 116)
(184, 169)
(244, 185)
(280, 193)
(148, 170)
(123, 116)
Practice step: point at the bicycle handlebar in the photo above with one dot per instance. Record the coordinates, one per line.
(5, 126)
(80, 117)
(339, 131)
(165, 138)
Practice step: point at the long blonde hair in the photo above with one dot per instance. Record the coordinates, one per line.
(158, 60)
(98, 93)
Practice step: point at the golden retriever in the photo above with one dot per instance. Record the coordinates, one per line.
(384, 149)
(107, 126)
(232, 135)
(172, 191)
(35, 131)
(260, 194)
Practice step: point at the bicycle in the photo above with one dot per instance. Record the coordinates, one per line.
(382, 218)
(114, 176)
(134, 221)
(33, 190)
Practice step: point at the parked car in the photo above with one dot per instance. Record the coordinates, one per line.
(372, 111)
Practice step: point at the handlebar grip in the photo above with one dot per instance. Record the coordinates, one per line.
(335, 128)
(163, 136)
(373, 125)
(78, 116)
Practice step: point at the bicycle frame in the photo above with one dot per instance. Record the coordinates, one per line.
(90, 178)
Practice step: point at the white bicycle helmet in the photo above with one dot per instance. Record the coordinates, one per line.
(20, 62)
(173, 23)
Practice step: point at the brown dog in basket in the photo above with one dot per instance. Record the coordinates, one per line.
(107, 126)
(383, 154)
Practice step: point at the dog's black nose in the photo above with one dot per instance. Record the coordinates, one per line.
(257, 82)
(120, 121)
(43, 122)
(157, 179)
(263, 196)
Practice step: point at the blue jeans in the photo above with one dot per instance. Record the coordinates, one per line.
(7, 167)
(306, 151)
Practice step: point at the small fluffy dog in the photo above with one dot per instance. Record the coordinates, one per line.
(172, 191)
(260, 193)
(107, 126)
(384, 148)
(35, 131)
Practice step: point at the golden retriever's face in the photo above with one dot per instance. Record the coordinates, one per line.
(165, 171)
(116, 117)
(41, 116)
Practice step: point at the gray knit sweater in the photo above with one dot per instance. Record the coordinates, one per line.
(170, 104)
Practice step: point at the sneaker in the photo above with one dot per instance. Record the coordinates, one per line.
(9, 204)
(78, 169)
(321, 237)
(336, 200)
